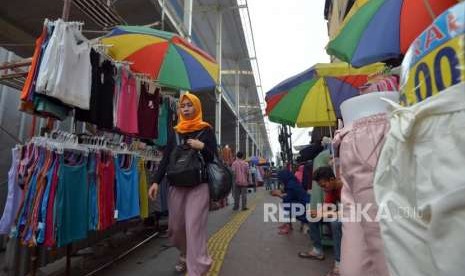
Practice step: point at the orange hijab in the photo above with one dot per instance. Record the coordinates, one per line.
(184, 125)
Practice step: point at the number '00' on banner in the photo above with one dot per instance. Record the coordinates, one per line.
(436, 59)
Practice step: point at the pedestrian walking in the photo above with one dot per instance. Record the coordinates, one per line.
(253, 175)
(240, 170)
(189, 206)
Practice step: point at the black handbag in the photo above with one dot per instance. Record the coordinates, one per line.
(220, 179)
(186, 167)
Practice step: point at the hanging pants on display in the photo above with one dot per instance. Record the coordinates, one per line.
(360, 146)
(421, 177)
(187, 225)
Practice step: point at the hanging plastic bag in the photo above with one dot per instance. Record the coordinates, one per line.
(219, 179)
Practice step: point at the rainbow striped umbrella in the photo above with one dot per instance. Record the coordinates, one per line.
(382, 30)
(165, 57)
(312, 98)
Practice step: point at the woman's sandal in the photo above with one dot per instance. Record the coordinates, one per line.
(285, 230)
(311, 255)
(181, 266)
(282, 226)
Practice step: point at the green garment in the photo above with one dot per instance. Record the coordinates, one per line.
(49, 108)
(162, 126)
(321, 160)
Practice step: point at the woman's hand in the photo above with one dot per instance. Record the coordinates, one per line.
(153, 191)
(195, 144)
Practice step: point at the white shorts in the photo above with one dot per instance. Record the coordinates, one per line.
(420, 179)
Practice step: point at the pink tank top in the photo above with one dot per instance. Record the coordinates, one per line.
(127, 104)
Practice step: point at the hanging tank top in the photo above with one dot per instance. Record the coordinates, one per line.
(13, 197)
(106, 191)
(50, 238)
(42, 222)
(127, 189)
(30, 188)
(148, 112)
(143, 191)
(163, 115)
(72, 203)
(127, 104)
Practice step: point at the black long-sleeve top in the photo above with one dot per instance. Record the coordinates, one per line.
(208, 152)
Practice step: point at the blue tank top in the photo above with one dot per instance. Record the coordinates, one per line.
(72, 203)
(127, 189)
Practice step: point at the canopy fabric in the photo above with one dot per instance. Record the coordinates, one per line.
(313, 97)
(379, 30)
(325, 69)
(164, 57)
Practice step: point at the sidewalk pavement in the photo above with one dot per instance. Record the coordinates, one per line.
(258, 250)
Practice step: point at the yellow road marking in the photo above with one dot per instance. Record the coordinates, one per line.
(218, 243)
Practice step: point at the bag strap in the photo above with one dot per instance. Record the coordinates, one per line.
(199, 134)
(180, 139)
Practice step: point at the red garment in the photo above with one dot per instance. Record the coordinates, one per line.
(127, 104)
(333, 197)
(299, 174)
(34, 65)
(49, 224)
(106, 193)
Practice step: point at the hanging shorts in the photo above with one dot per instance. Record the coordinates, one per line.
(420, 184)
(362, 245)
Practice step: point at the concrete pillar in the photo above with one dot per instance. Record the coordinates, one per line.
(247, 143)
(259, 136)
(238, 110)
(188, 18)
(218, 94)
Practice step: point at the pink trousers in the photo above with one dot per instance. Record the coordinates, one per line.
(187, 226)
(362, 252)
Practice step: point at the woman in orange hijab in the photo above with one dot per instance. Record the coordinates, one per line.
(188, 207)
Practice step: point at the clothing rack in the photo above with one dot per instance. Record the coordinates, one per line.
(102, 49)
(172, 101)
(101, 12)
(135, 148)
(58, 140)
(144, 78)
(106, 15)
(14, 73)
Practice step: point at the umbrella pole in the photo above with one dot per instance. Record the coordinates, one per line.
(332, 149)
(330, 129)
(163, 15)
(429, 9)
(291, 155)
